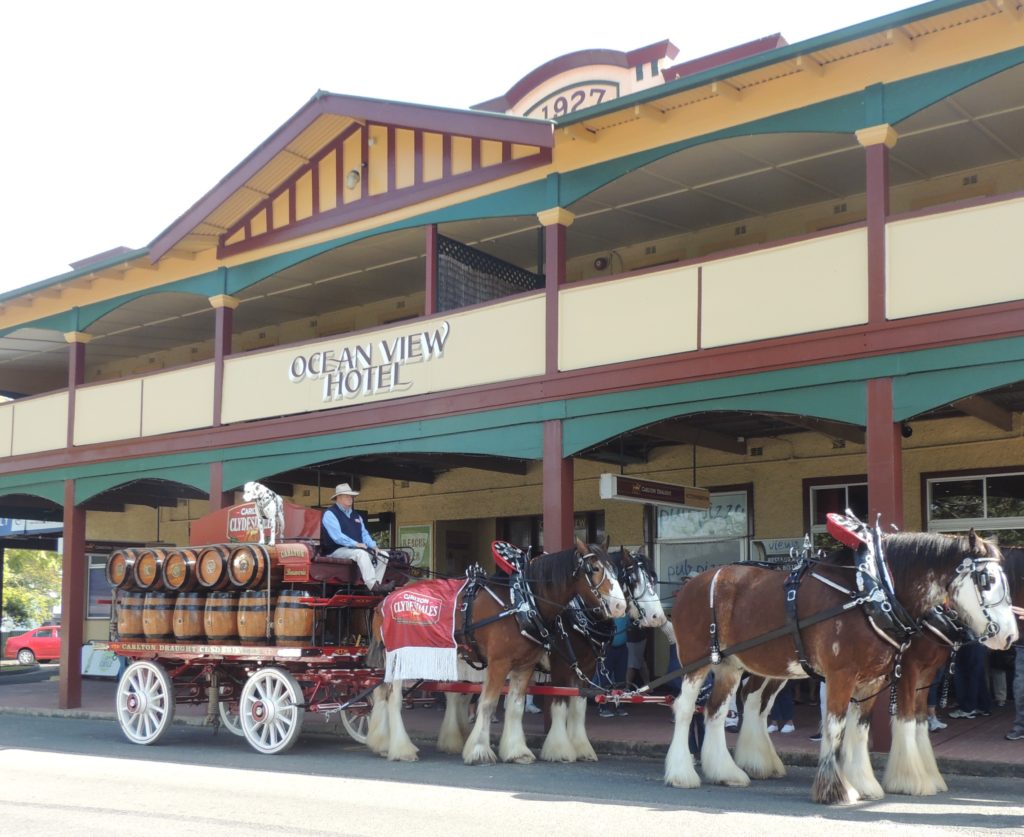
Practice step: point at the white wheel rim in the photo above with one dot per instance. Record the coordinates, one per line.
(270, 710)
(230, 720)
(145, 702)
(357, 726)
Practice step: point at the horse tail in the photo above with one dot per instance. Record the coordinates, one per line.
(375, 652)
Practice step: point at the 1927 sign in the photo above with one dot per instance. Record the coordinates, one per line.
(633, 490)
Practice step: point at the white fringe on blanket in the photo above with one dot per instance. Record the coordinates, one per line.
(415, 663)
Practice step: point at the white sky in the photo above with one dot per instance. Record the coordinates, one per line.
(120, 115)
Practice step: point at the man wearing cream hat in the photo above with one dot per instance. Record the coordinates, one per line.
(343, 535)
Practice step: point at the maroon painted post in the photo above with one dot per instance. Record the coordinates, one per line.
(72, 602)
(555, 222)
(224, 310)
(557, 490)
(877, 140)
(219, 499)
(885, 497)
(430, 302)
(76, 374)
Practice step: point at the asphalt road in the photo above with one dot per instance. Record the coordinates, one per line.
(81, 777)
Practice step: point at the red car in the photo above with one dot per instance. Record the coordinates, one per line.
(38, 644)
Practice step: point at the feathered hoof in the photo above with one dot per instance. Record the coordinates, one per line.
(683, 780)
(520, 758)
(909, 788)
(834, 793)
(586, 756)
(404, 754)
(481, 754)
(557, 756)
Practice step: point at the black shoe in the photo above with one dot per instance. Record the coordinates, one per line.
(816, 737)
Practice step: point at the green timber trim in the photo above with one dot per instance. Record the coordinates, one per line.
(841, 402)
(197, 476)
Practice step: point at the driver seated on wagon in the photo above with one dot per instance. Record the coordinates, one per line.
(343, 535)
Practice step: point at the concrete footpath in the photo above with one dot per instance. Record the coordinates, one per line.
(968, 747)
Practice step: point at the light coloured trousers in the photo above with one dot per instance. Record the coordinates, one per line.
(372, 576)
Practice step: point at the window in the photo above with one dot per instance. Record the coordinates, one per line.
(691, 540)
(835, 498)
(100, 591)
(529, 531)
(992, 504)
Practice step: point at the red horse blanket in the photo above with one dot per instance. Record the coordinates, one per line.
(418, 630)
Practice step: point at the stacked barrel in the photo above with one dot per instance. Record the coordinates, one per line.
(222, 593)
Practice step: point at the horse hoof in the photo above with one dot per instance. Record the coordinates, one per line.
(480, 755)
(522, 758)
(684, 782)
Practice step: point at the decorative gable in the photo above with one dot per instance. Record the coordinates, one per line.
(370, 168)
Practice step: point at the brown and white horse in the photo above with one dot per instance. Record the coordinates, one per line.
(554, 580)
(749, 602)
(567, 739)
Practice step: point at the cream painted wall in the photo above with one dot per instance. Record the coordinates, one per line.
(105, 412)
(463, 364)
(6, 427)
(178, 400)
(792, 289)
(611, 322)
(954, 260)
(40, 424)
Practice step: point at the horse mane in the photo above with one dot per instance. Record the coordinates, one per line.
(552, 568)
(916, 552)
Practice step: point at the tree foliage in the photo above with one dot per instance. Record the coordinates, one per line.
(31, 585)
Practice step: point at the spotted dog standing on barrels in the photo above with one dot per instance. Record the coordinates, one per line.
(269, 510)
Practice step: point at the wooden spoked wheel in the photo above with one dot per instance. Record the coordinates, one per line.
(145, 702)
(229, 719)
(356, 721)
(271, 710)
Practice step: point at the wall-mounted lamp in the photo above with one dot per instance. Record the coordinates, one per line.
(906, 430)
(352, 179)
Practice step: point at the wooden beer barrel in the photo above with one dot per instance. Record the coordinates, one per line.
(179, 570)
(158, 615)
(212, 567)
(147, 569)
(120, 566)
(254, 617)
(129, 615)
(293, 620)
(188, 617)
(220, 616)
(247, 567)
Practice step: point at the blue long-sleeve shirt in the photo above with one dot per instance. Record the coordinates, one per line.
(339, 537)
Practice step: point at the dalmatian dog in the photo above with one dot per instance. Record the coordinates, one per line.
(269, 510)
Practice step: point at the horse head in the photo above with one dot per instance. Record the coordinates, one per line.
(640, 585)
(980, 594)
(598, 584)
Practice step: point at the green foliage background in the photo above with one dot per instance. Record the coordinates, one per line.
(31, 585)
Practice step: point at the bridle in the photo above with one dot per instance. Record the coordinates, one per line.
(585, 565)
(636, 582)
(990, 585)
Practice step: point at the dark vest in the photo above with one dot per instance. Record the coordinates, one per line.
(350, 526)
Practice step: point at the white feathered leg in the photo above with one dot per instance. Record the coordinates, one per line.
(755, 754)
(477, 749)
(904, 770)
(400, 746)
(578, 730)
(378, 734)
(452, 736)
(679, 769)
(715, 760)
(924, 749)
(512, 746)
(557, 746)
(856, 761)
